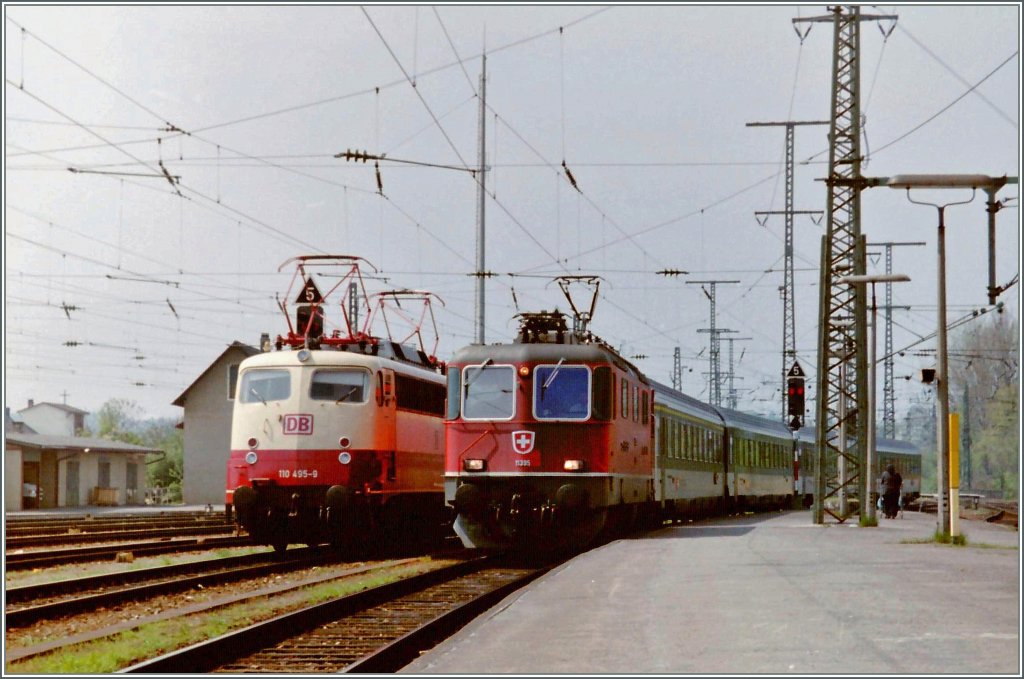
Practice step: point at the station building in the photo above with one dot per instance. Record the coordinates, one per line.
(208, 404)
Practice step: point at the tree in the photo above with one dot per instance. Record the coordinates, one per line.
(996, 450)
(985, 389)
(168, 471)
(122, 420)
(117, 420)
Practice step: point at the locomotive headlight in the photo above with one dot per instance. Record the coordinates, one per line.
(253, 442)
(303, 355)
(345, 458)
(471, 465)
(573, 465)
(251, 457)
(344, 442)
(524, 371)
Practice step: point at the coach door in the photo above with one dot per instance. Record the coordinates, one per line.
(386, 415)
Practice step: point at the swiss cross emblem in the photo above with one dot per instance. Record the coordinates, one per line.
(522, 441)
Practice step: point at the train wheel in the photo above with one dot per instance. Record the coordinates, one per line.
(279, 545)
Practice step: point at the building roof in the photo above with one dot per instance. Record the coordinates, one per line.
(59, 406)
(14, 422)
(236, 345)
(71, 443)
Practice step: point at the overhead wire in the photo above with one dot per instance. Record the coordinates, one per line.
(963, 81)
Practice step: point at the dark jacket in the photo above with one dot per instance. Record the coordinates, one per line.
(891, 479)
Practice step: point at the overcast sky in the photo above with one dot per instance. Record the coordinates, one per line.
(647, 106)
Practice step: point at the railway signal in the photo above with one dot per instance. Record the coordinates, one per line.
(795, 396)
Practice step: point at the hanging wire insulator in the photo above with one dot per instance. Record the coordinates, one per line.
(568, 173)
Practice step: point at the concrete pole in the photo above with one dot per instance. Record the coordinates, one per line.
(481, 196)
(942, 388)
(869, 468)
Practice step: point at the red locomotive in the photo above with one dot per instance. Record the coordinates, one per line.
(548, 439)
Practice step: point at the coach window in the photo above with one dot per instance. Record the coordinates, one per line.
(262, 385)
(561, 392)
(419, 396)
(340, 386)
(488, 392)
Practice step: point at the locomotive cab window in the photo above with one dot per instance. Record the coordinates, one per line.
(488, 392)
(262, 385)
(340, 386)
(561, 392)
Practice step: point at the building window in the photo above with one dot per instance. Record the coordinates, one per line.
(232, 380)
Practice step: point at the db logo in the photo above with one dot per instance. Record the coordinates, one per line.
(522, 441)
(298, 424)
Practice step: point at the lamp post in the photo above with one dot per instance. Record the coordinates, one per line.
(943, 181)
(869, 482)
(990, 185)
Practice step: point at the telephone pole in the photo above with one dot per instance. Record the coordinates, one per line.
(842, 316)
(714, 375)
(788, 306)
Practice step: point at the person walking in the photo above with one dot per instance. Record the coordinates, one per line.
(892, 482)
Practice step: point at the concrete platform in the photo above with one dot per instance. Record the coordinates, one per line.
(761, 594)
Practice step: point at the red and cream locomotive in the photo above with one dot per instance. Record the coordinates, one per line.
(548, 439)
(337, 435)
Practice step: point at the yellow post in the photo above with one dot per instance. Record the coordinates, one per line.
(954, 474)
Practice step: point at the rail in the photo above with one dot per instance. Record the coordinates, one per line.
(373, 652)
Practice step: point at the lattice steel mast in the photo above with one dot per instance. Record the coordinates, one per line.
(788, 310)
(677, 369)
(733, 400)
(888, 385)
(714, 362)
(842, 316)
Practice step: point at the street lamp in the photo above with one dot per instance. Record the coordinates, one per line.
(943, 181)
(869, 482)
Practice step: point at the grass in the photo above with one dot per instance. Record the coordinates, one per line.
(938, 538)
(120, 650)
(868, 521)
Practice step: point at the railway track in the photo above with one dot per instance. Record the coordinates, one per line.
(29, 604)
(85, 526)
(376, 630)
(44, 559)
(49, 540)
